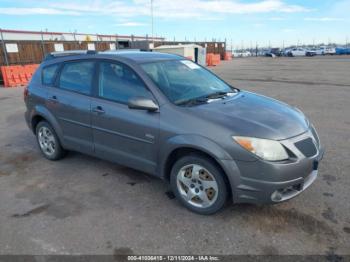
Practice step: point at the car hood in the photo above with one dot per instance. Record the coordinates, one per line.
(249, 114)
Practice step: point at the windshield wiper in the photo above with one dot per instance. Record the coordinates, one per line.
(219, 94)
(204, 99)
(192, 101)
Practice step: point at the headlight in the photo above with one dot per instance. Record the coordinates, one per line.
(270, 150)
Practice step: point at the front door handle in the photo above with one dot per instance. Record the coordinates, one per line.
(53, 99)
(98, 110)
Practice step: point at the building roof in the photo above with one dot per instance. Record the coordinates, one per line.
(177, 46)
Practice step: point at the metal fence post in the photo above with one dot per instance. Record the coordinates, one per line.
(75, 39)
(42, 44)
(4, 48)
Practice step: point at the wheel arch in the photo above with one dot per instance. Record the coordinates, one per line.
(40, 113)
(180, 146)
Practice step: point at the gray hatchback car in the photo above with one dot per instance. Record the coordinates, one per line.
(169, 117)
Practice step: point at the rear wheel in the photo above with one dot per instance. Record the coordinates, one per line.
(48, 141)
(199, 184)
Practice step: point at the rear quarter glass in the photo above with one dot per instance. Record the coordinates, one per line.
(48, 74)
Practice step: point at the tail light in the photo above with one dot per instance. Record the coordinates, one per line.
(25, 92)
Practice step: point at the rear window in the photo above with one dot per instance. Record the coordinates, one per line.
(77, 76)
(49, 73)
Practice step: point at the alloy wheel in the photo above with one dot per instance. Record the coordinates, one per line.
(47, 141)
(197, 186)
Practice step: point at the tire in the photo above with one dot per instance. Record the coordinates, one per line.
(48, 141)
(205, 184)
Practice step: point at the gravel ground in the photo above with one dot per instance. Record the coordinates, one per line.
(82, 205)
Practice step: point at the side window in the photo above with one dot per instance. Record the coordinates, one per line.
(48, 74)
(118, 82)
(77, 76)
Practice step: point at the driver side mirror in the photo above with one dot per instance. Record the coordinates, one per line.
(142, 103)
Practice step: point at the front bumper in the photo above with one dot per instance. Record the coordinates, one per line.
(263, 182)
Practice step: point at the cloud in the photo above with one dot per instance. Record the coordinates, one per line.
(276, 19)
(131, 24)
(237, 7)
(289, 30)
(199, 9)
(324, 19)
(258, 25)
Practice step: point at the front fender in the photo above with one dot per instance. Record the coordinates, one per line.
(192, 141)
(197, 142)
(204, 145)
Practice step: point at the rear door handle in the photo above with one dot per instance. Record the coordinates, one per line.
(98, 110)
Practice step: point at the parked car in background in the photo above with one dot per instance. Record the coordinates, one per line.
(269, 54)
(297, 52)
(342, 51)
(285, 52)
(330, 51)
(273, 52)
(326, 51)
(167, 116)
(311, 52)
(241, 54)
(320, 51)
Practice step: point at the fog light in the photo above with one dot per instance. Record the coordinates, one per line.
(276, 196)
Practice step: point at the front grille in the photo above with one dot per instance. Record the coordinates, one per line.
(307, 147)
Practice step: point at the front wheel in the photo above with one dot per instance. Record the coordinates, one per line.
(199, 184)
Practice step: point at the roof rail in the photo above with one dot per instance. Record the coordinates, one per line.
(53, 55)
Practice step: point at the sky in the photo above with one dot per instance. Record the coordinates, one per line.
(243, 23)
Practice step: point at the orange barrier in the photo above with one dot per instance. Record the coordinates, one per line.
(216, 59)
(228, 56)
(208, 59)
(213, 59)
(17, 75)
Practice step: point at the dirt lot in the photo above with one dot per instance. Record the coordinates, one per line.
(82, 205)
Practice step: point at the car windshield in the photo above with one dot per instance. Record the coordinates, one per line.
(183, 81)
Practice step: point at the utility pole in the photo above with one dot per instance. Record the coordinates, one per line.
(152, 21)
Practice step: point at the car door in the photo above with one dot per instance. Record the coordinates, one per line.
(123, 135)
(70, 103)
